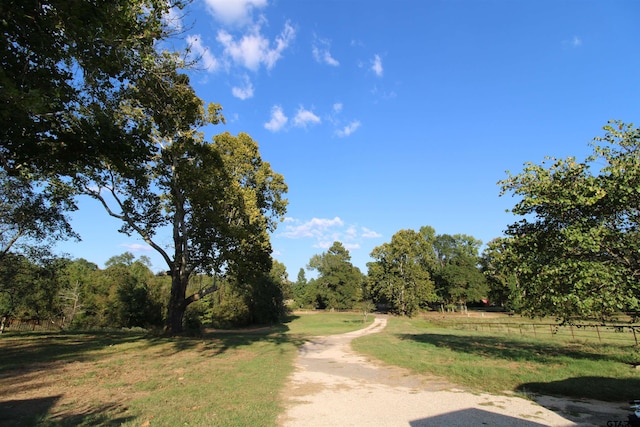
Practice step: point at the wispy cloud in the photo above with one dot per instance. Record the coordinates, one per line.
(316, 227)
(573, 42)
(369, 234)
(200, 53)
(137, 247)
(234, 12)
(278, 119)
(245, 91)
(348, 129)
(325, 231)
(376, 65)
(253, 50)
(321, 51)
(305, 117)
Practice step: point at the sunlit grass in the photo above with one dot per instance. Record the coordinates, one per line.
(499, 363)
(112, 379)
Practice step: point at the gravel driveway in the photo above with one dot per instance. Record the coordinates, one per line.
(335, 386)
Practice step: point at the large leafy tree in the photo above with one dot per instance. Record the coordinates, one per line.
(217, 200)
(576, 249)
(66, 65)
(339, 283)
(399, 276)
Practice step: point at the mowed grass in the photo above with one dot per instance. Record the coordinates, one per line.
(504, 363)
(126, 379)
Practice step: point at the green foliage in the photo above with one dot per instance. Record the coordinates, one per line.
(575, 252)
(399, 276)
(298, 289)
(456, 274)
(64, 63)
(241, 301)
(502, 282)
(28, 289)
(31, 218)
(340, 284)
(125, 294)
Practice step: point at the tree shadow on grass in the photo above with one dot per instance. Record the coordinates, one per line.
(36, 412)
(27, 361)
(590, 387)
(511, 349)
(20, 350)
(508, 349)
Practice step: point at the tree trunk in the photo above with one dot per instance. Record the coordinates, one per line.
(177, 304)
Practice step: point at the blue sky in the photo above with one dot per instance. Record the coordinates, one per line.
(387, 115)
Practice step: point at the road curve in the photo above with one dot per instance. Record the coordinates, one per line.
(333, 385)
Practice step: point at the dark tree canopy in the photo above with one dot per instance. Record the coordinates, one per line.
(65, 64)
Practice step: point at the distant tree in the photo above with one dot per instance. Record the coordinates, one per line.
(29, 289)
(501, 281)
(299, 288)
(575, 251)
(399, 275)
(339, 283)
(457, 275)
(75, 278)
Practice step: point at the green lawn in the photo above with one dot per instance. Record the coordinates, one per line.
(235, 378)
(123, 379)
(499, 362)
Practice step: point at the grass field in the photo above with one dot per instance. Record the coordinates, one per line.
(499, 362)
(118, 378)
(234, 378)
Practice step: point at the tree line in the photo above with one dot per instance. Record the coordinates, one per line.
(416, 270)
(77, 294)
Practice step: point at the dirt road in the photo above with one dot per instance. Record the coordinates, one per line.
(334, 386)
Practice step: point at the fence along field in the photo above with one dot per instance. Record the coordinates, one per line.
(624, 334)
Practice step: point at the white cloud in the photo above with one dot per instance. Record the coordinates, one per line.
(376, 65)
(137, 247)
(348, 129)
(322, 54)
(316, 227)
(253, 49)
(324, 232)
(245, 91)
(304, 117)
(201, 54)
(278, 119)
(337, 107)
(369, 234)
(234, 12)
